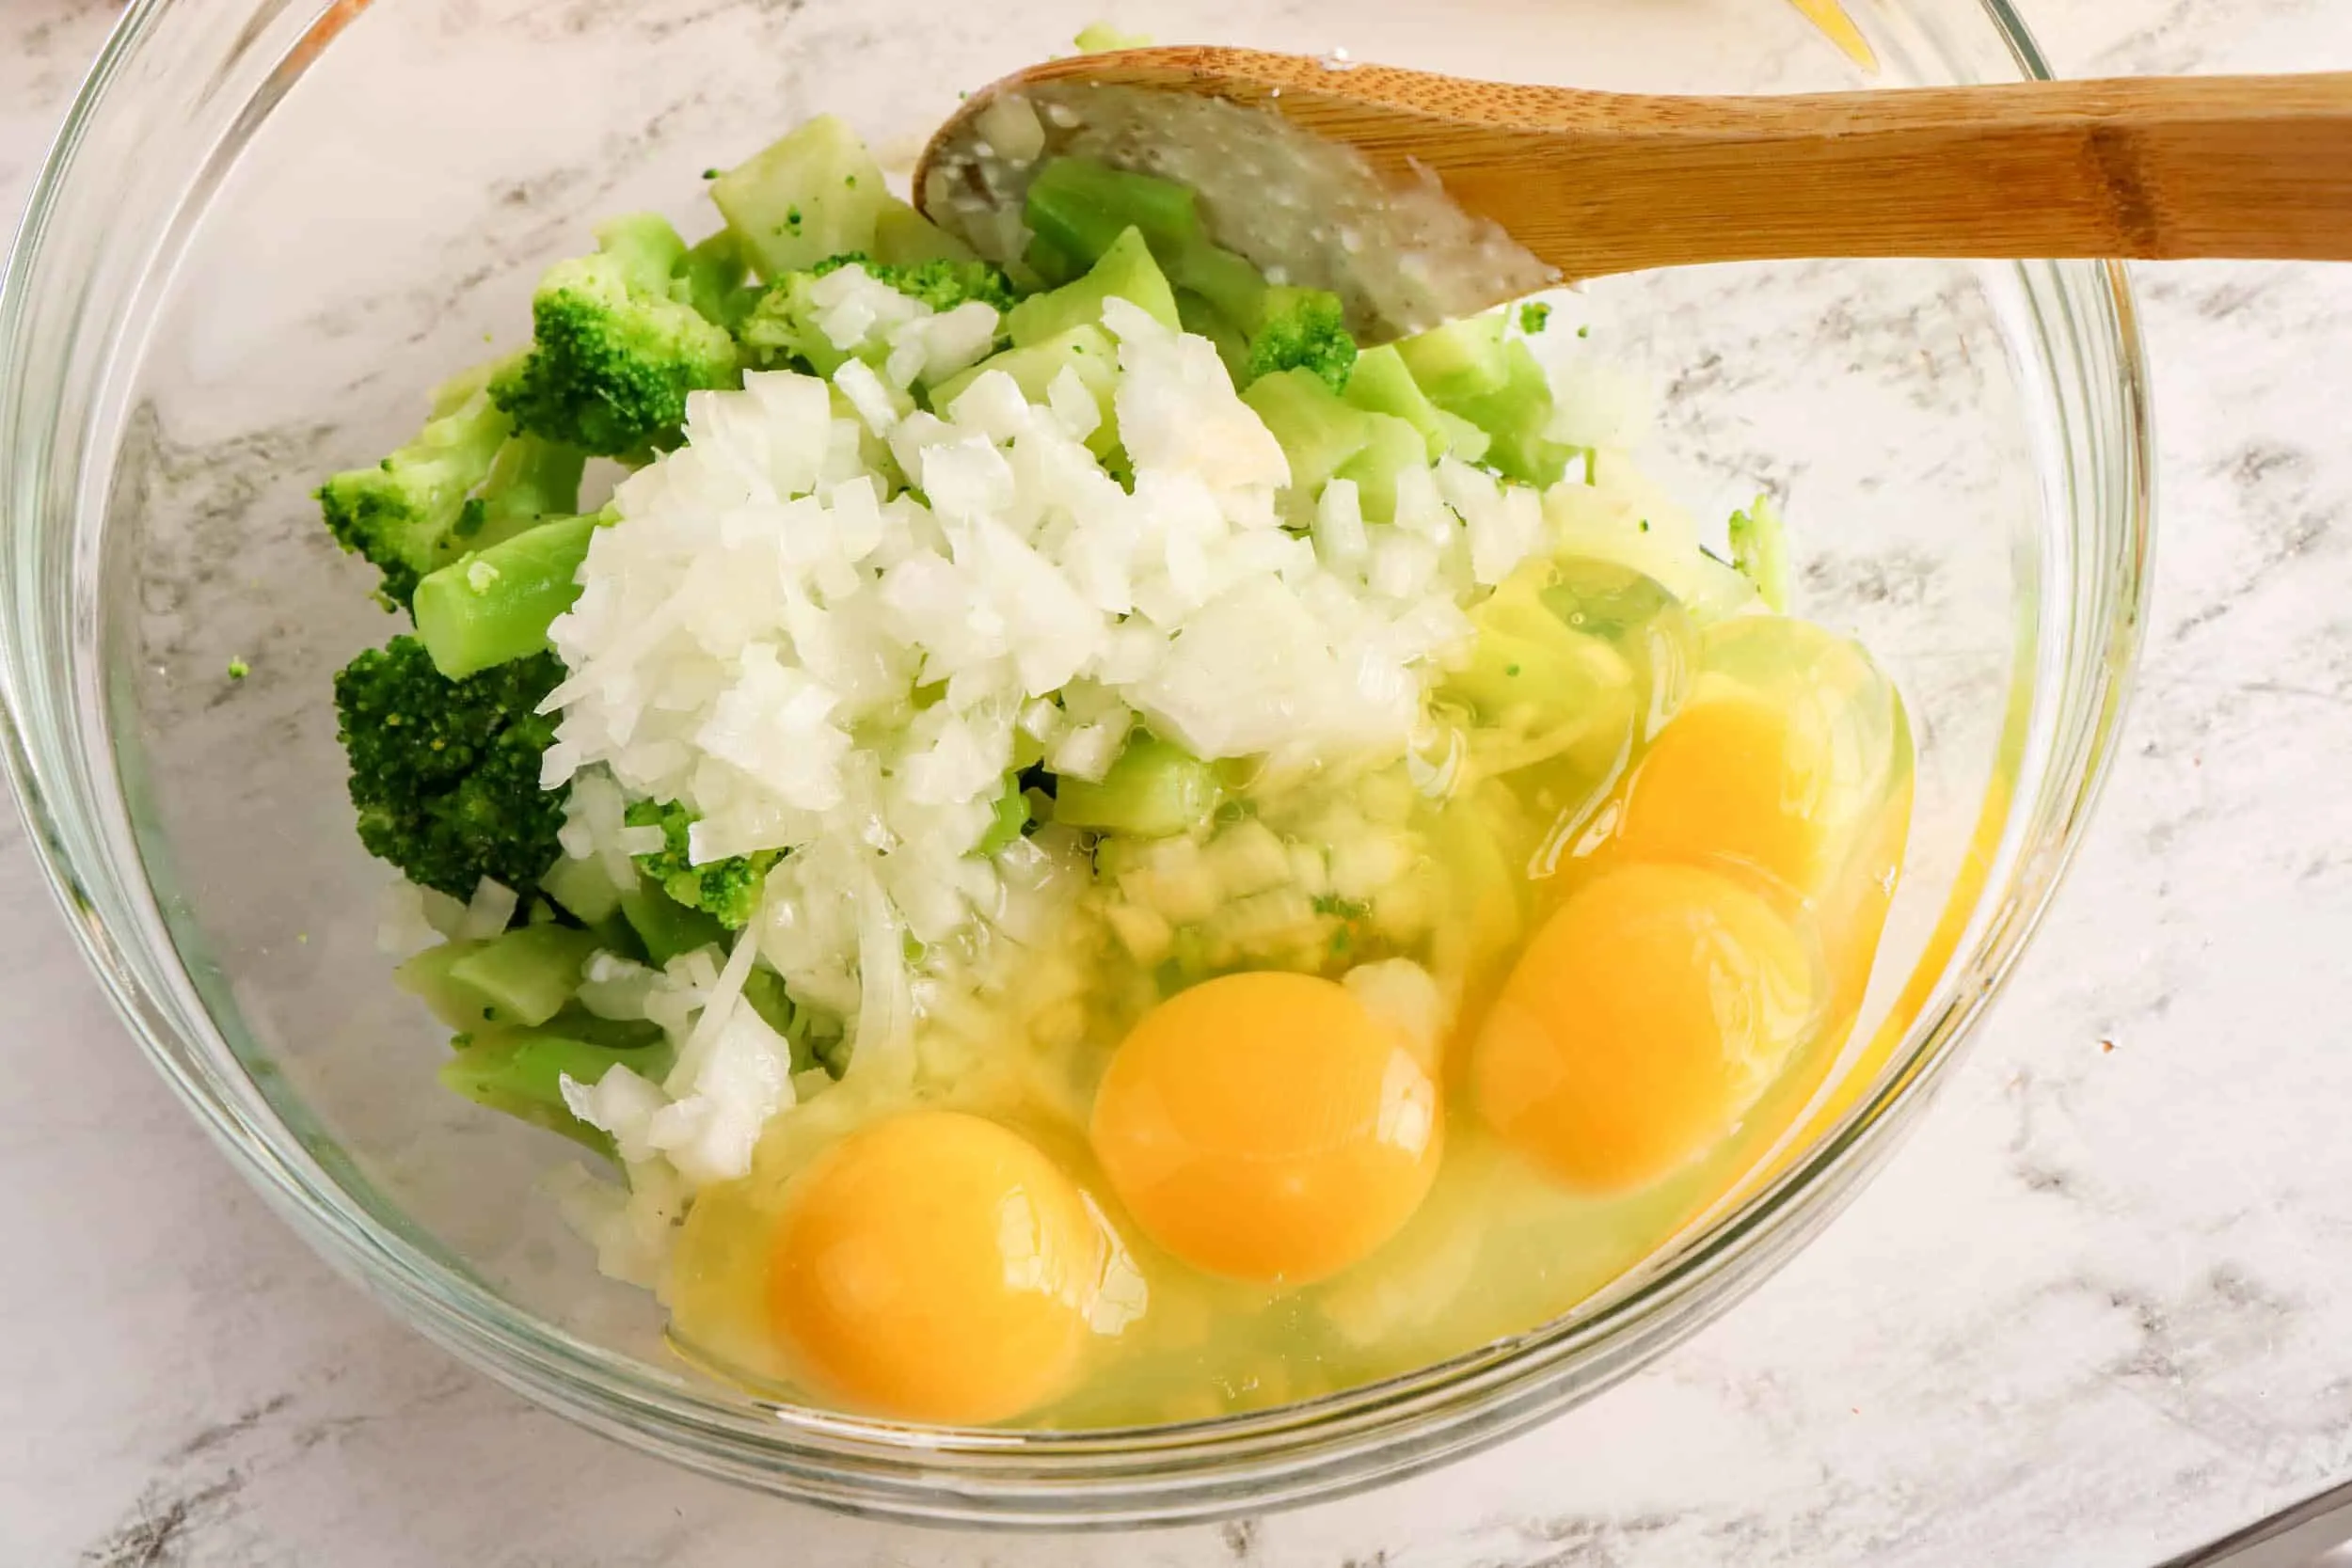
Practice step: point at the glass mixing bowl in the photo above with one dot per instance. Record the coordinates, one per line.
(270, 224)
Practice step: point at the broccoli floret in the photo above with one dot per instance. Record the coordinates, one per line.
(727, 890)
(614, 353)
(444, 773)
(403, 516)
(940, 283)
(1534, 316)
(782, 329)
(1304, 329)
(782, 326)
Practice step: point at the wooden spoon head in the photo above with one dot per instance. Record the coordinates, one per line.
(1386, 113)
(1318, 171)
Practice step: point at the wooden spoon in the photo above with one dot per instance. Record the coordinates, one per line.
(1595, 183)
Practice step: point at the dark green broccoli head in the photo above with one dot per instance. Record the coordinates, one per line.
(728, 890)
(614, 353)
(445, 773)
(1304, 329)
(407, 515)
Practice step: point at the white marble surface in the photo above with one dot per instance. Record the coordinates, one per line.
(2094, 1313)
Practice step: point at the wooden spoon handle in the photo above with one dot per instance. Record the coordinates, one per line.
(1601, 183)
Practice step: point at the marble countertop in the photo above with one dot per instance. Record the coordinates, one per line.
(2094, 1313)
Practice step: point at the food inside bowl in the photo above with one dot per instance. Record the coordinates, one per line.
(1086, 848)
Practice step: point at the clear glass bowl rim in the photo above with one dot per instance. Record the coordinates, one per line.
(69, 339)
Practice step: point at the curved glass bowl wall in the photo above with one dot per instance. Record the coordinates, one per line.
(270, 223)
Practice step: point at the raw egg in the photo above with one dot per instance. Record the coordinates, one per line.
(1267, 1127)
(1793, 760)
(936, 1266)
(1643, 1021)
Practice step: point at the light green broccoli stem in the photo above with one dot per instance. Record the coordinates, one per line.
(531, 478)
(496, 605)
(815, 194)
(1010, 820)
(1126, 271)
(1155, 790)
(1078, 209)
(523, 977)
(1759, 549)
(667, 928)
(1099, 37)
(522, 1072)
(1319, 430)
(714, 278)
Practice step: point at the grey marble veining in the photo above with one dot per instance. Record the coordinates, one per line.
(2097, 1310)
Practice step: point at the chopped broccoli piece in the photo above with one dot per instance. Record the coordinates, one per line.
(1126, 271)
(1516, 416)
(941, 284)
(1099, 37)
(714, 279)
(532, 479)
(782, 330)
(1391, 447)
(444, 773)
(664, 927)
(784, 326)
(1085, 351)
(815, 194)
(903, 237)
(1460, 360)
(1078, 209)
(239, 669)
(1302, 330)
(403, 516)
(1196, 315)
(525, 976)
(1319, 432)
(727, 890)
(521, 1073)
(613, 354)
(1759, 551)
(496, 604)
(1533, 316)
(1155, 790)
(1011, 819)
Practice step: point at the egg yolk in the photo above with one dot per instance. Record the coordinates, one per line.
(1798, 766)
(1267, 1127)
(1641, 1023)
(934, 1267)
(1734, 776)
